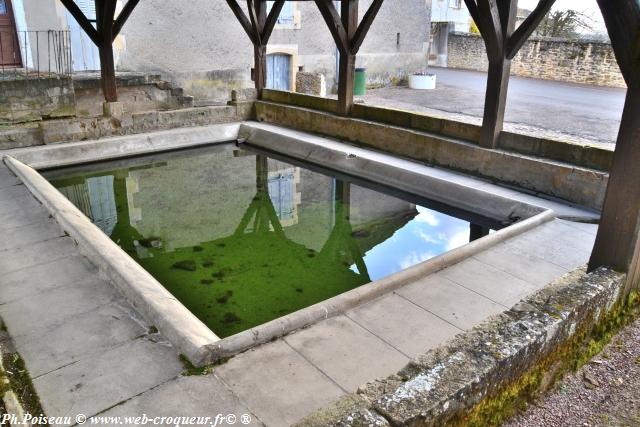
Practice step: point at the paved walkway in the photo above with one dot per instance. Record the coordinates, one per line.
(585, 113)
(89, 353)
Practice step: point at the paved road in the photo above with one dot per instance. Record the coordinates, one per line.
(583, 111)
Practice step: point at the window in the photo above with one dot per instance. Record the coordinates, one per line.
(3, 7)
(456, 4)
(286, 14)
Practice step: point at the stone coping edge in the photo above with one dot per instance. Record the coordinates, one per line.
(481, 376)
(73, 153)
(184, 330)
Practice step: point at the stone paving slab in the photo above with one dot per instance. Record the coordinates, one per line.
(19, 218)
(524, 266)
(187, 396)
(488, 281)
(14, 192)
(16, 238)
(94, 384)
(278, 384)
(346, 352)
(40, 278)
(450, 301)
(78, 337)
(407, 327)
(21, 205)
(52, 308)
(7, 179)
(38, 253)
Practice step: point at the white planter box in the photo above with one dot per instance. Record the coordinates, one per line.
(422, 82)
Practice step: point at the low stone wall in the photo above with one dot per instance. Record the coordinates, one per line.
(137, 92)
(594, 157)
(81, 129)
(587, 62)
(579, 185)
(35, 98)
(484, 376)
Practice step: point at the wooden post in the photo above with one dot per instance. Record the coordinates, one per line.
(348, 37)
(260, 68)
(495, 101)
(103, 36)
(258, 27)
(496, 20)
(618, 240)
(105, 10)
(347, 63)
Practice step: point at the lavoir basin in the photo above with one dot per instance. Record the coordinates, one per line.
(242, 237)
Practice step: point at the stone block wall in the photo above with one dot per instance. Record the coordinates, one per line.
(576, 61)
(24, 100)
(311, 83)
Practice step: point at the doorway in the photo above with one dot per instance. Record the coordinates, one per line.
(279, 71)
(9, 46)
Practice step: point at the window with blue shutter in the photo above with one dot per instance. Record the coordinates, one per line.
(286, 15)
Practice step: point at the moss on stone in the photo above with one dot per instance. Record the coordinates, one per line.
(583, 345)
(16, 377)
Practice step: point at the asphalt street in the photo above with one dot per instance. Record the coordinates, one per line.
(588, 112)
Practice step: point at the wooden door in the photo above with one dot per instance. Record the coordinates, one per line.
(278, 72)
(9, 46)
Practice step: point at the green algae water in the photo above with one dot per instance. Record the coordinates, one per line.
(241, 239)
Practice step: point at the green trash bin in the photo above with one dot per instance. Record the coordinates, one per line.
(360, 83)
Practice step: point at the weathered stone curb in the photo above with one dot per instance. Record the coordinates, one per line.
(183, 329)
(72, 153)
(491, 368)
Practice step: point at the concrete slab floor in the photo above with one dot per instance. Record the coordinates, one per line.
(83, 343)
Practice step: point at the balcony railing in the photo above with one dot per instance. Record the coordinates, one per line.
(35, 54)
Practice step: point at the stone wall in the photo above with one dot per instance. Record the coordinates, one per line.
(24, 100)
(588, 62)
(311, 83)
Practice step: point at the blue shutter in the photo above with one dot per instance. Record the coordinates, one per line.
(286, 14)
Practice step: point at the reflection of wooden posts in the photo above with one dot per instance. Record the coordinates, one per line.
(261, 209)
(348, 37)
(258, 27)
(618, 241)
(477, 231)
(496, 21)
(107, 30)
(341, 239)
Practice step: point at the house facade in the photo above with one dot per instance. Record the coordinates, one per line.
(200, 46)
(447, 16)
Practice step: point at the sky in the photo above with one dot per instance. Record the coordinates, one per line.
(588, 7)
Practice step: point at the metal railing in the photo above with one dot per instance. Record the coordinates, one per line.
(34, 54)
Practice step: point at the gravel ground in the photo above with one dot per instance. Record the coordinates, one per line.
(604, 392)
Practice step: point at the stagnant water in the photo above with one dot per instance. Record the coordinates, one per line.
(241, 239)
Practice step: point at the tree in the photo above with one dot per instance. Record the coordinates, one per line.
(565, 24)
